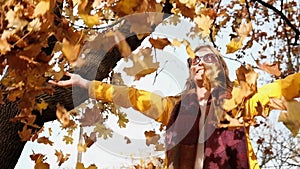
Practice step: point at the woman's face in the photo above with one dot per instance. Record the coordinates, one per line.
(204, 60)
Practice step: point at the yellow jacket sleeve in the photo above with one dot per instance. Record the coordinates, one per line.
(150, 104)
(289, 88)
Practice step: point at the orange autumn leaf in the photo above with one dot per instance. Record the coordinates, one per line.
(159, 43)
(44, 140)
(272, 68)
(61, 158)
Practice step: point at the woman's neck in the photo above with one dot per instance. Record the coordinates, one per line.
(202, 93)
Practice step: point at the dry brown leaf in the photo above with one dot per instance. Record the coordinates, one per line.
(151, 137)
(128, 141)
(25, 134)
(142, 64)
(291, 118)
(244, 30)
(159, 43)
(81, 147)
(89, 140)
(272, 68)
(61, 158)
(91, 117)
(45, 140)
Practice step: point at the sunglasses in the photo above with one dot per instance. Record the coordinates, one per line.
(208, 58)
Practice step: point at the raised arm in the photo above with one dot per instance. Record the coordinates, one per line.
(148, 103)
(287, 88)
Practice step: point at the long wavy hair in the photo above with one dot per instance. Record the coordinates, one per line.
(222, 76)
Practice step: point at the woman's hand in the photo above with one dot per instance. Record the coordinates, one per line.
(75, 80)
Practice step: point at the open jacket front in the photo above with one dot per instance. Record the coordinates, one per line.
(160, 108)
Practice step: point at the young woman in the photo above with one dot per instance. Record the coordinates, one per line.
(193, 138)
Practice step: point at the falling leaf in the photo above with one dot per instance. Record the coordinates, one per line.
(81, 147)
(272, 68)
(90, 20)
(25, 134)
(81, 166)
(159, 147)
(122, 121)
(89, 140)
(244, 30)
(39, 164)
(44, 140)
(41, 106)
(91, 117)
(128, 141)
(61, 158)
(50, 131)
(234, 45)
(159, 43)
(35, 157)
(142, 64)
(71, 51)
(63, 116)
(125, 7)
(14, 21)
(42, 7)
(151, 137)
(204, 23)
(4, 46)
(68, 139)
(291, 118)
(103, 131)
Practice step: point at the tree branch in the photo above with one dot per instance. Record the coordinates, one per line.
(287, 21)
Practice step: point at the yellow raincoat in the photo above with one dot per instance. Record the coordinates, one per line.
(160, 108)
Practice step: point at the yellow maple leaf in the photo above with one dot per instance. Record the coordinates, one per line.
(102, 131)
(68, 139)
(291, 118)
(41, 106)
(90, 20)
(142, 64)
(41, 8)
(204, 23)
(234, 45)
